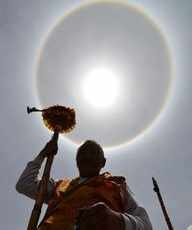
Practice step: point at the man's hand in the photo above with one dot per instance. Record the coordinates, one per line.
(50, 148)
(99, 217)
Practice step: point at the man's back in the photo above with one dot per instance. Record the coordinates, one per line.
(97, 202)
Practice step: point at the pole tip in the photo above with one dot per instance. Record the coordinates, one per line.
(28, 110)
(156, 187)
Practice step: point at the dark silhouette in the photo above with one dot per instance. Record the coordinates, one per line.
(91, 201)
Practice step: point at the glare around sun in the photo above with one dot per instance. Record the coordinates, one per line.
(100, 87)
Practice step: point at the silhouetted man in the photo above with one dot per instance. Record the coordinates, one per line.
(92, 201)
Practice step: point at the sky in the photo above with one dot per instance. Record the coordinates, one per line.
(162, 151)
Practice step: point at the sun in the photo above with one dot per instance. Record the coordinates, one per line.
(100, 87)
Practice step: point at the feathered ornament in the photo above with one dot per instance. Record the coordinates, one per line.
(57, 118)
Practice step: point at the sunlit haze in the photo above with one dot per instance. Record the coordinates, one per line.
(100, 87)
(101, 73)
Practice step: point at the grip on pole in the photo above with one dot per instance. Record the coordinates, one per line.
(55, 136)
(34, 219)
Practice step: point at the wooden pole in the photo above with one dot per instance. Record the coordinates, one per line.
(33, 221)
(167, 219)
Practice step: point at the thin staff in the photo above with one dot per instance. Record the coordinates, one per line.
(167, 219)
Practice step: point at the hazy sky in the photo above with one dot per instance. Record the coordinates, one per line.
(111, 37)
(164, 151)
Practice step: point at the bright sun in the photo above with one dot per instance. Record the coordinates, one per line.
(100, 87)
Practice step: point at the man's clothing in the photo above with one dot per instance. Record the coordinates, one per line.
(65, 197)
(70, 196)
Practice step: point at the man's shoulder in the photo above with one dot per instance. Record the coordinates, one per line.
(116, 179)
(62, 183)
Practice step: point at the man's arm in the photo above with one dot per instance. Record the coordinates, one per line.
(28, 182)
(135, 217)
(100, 216)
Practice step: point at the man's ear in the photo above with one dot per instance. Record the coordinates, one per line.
(103, 163)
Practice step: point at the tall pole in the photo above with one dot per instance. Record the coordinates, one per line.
(59, 119)
(167, 219)
(33, 221)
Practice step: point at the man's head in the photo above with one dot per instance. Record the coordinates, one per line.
(90, 159)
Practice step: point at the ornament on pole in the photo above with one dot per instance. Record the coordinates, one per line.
(59, 119)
